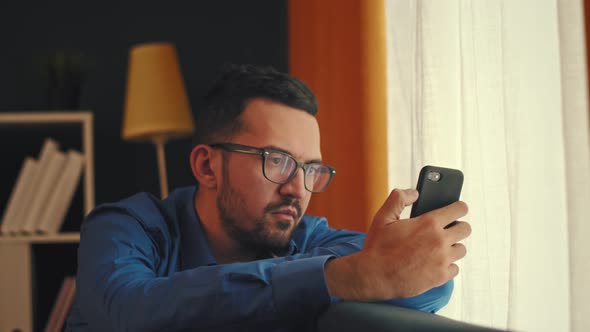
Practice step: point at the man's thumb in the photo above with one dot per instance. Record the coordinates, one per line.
(394, 205)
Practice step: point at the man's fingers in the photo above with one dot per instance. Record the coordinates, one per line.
(459, 231)
(448, 214)
(410, 196)
(453, 271)
(393, 207)
(458, 251)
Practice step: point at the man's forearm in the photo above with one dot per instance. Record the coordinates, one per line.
(210, 297)
(343, 278)
(356, 278)
(347, 280)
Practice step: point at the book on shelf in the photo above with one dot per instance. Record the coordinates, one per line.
(48, 149)
(44, 188)
(43, 191)
(61, 197)
(19, 195)
(62, 305)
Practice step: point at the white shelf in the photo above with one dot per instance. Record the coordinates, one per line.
(35, 239)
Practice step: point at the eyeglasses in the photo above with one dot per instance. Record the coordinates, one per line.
(280, 167)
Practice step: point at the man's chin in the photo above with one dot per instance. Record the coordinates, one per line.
(284, 225)
(279, 238)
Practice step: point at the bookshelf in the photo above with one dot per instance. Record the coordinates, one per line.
(16, 279)
(22, 277)
(81, 118)
(69, 237)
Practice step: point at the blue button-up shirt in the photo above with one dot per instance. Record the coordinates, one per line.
(145, 264)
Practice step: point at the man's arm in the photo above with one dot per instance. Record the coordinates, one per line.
(323, 240)
(401, 258)
(119, 289)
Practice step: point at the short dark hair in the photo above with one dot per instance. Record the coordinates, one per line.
(236, 85)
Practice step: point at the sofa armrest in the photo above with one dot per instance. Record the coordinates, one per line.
(376, 317)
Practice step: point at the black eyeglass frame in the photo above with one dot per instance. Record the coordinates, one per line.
(265, 152)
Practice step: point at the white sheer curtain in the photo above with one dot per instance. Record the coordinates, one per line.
(498, 89)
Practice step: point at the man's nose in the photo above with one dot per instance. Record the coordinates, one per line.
(296, 186)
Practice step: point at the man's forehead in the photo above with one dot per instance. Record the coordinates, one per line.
(274, 125)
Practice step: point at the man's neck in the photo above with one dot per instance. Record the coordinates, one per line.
(224, 248)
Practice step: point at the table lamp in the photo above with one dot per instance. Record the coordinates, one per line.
(156, 105)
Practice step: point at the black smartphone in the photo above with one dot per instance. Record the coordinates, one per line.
(438, 187)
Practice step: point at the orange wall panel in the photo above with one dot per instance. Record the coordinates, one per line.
(331, 47)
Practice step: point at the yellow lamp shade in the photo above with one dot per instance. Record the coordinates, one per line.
(156, 104)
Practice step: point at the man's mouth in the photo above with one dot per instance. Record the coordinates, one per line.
(286, 212)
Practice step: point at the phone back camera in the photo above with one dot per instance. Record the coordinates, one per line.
(433, 176)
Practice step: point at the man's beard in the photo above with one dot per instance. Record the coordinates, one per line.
(259, 239)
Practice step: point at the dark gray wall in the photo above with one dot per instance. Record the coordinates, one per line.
(206, 34)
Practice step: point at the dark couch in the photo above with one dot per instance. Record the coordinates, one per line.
(374, 317)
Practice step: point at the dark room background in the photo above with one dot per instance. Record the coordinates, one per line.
(206, 35)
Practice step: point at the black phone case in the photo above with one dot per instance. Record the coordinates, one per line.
(437, 194)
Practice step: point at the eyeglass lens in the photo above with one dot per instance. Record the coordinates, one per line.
(279, 167)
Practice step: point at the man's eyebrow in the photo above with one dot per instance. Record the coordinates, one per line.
(276, 148)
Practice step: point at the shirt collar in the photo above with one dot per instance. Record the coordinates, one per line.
(195, 249)
(291, 250)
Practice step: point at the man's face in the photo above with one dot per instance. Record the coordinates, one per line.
(257, 213)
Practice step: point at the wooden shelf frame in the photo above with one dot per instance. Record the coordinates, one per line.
(70, 237)
(16, 299)
(85, 118)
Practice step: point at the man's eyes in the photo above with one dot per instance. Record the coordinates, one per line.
(277, 160)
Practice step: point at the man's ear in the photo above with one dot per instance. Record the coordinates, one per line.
(202, 166)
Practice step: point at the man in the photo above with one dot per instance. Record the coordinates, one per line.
(236, 251)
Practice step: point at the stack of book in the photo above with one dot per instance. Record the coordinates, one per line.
(43, 191)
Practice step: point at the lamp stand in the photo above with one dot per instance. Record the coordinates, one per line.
(159, 142)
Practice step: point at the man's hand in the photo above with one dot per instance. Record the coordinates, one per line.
(401, 258)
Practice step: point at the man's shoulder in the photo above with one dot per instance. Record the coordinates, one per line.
(312, 219)
(146, 208)
(311, 222)
(313, 226)
(314, 233)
